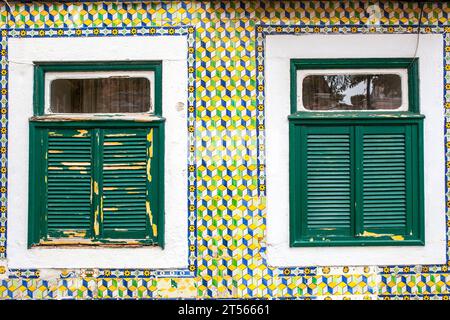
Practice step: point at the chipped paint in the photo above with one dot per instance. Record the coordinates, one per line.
(55, 168)
(377, 235)
(54, 134)
(77, 242)
(81, 134)
(115, 167)
(113, 143)
(150, 217)
(113, 135)
(110, 188)
(110, 209)
(74, 233)
(140, 163)
(150, 140)
(77, 169)
(150, 154)
(149, 176)
(97, 211)
(55, 151)
(96, 223)
(76, 163)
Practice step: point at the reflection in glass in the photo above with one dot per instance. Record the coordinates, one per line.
(100, 95)
(352, 92)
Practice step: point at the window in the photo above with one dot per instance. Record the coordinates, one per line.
(97, 155)
(100, 92)
(351, 91)
(356, 162)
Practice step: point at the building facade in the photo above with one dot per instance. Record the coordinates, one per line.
(218, 219)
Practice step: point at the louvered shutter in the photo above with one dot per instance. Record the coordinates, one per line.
(68, 196)
(126, 178)
(385, 177)
(326, 180)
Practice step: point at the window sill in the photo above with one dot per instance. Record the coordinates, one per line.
(313, 115)
(133, 117)
(357, 243)
(58, 243)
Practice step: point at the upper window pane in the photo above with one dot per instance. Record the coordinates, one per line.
(352, 91)
(90, 93)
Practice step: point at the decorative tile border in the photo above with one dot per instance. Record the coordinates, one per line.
(135, 13)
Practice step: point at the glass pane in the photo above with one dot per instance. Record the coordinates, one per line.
(100, 95)
(352, 92)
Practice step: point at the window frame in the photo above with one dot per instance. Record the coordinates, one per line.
(41, 68)
(411, 64)
(411, 117)
(37, 165)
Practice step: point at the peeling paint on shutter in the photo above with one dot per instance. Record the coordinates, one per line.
(69, 159)
(126, 209)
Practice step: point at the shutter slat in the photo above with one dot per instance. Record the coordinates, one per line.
(328, 180)
(125, 156)
(68, 181)
(384, 176)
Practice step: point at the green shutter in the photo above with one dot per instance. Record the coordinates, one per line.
(385, 178)
(356, 183)
(97, 184)
(127, 156)
(68, 166)
(326, 180)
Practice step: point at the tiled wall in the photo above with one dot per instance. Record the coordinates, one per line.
(226, 211)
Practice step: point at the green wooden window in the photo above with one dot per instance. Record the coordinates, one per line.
(96, 180)
(356, 178)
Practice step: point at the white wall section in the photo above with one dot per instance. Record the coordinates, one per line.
(279, 50)
(172, 51)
